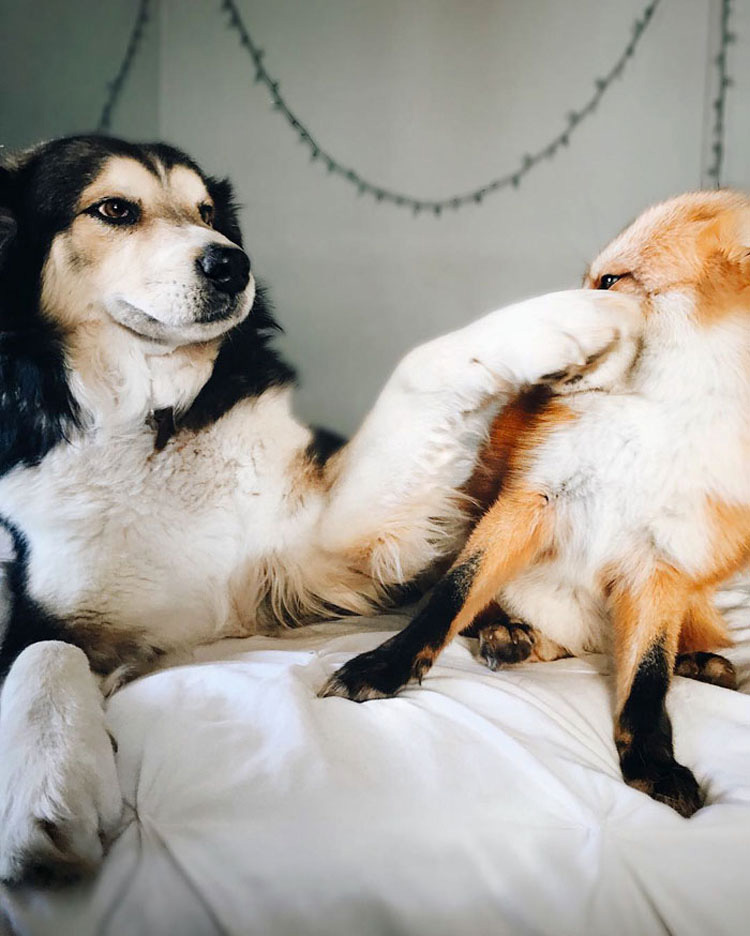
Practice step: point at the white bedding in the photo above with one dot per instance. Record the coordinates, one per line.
(478, 803)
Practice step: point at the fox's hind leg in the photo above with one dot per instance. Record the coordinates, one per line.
(504, 640)
(703, 631)
(647, 618)
(513, 533)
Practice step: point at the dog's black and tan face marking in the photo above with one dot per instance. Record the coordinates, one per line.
(96, 231)
(140, 245)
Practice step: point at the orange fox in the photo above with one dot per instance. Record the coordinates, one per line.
(618, 512)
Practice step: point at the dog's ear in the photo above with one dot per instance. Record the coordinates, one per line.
(8, 225)
(225, 209)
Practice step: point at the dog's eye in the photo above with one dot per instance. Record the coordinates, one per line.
(207, 213)
(608, 280)
(117, 211)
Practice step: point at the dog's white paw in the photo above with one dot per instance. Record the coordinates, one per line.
(60, 798)
(565, 339)
(554, 339)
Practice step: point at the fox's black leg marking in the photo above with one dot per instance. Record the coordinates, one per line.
(410, 653)
(644, 738)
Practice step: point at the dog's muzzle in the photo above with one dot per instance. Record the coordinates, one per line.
(227, 269)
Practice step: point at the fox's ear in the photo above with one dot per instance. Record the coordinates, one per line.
(729, 235)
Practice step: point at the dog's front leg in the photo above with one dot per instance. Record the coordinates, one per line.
(59, 793)
(394, 488)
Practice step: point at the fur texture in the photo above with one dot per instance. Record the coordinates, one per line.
(161, 492)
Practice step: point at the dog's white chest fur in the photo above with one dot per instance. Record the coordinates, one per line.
(164, 540)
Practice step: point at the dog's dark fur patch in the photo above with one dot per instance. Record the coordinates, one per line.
(245, 366)
(27, 621)
(325, 443)
(36, 407)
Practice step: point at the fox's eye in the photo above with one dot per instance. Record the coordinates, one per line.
(206, 213)
(608, 280)
(116, 211)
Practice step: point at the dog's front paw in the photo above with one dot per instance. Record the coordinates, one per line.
(571, 376)
(60, 799)
(558, 339)
(582, 339)
(55, 833)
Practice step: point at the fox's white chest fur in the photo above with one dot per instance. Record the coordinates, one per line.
(631, 475)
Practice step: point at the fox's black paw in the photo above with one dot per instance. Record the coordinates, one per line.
(506, 643)
(377, 674)
(707, 667)
(672, 784)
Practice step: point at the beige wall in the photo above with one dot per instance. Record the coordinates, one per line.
(432, 97)
(56, 57)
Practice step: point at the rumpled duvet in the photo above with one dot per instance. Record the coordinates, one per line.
(477, 803)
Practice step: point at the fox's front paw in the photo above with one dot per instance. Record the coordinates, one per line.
(377, 674)
(506, 643)
(355, 682)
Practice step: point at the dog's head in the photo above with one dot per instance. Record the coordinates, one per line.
(689, 256)
(104, 230)
(122, 281)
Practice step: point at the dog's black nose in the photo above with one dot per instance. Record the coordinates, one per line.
(228, 268)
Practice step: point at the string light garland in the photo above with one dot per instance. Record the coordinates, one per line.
(437, 206)
(115, 87)
(724, 82)
(512, 179)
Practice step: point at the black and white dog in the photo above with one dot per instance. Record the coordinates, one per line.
(159, 492)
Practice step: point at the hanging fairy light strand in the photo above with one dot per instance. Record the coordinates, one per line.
(437, 206)
(115, 87)
(383, 194)
(723, 83)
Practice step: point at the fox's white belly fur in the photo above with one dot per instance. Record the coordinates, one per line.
(629, 479)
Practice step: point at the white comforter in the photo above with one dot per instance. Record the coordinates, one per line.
(478, 803)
